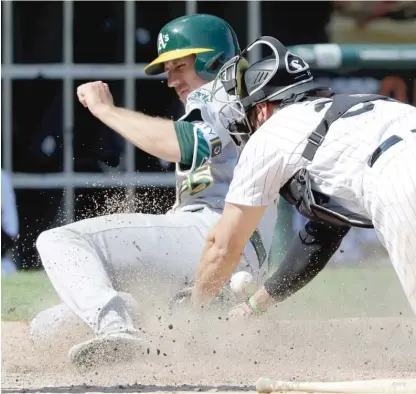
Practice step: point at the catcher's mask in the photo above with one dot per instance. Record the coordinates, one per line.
(282, 77)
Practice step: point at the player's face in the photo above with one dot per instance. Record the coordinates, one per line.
(260, 113)
(183, 77)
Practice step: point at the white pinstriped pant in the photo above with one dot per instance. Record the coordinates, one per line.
(389, 194)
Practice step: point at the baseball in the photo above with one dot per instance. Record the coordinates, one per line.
(242, 284)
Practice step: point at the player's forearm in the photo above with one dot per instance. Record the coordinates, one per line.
(216, 267)
(153, 135)
(224, 247)
(309, 252)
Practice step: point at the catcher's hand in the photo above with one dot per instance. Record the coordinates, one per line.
(241, 310)
(225, 298)
(182, 298)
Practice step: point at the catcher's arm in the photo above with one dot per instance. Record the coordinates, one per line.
(308, 254)
(223, 248)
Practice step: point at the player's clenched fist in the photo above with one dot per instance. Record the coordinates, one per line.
(95, 96)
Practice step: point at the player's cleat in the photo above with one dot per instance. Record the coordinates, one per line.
(106, 349)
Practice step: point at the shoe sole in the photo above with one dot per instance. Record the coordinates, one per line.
(102, 351)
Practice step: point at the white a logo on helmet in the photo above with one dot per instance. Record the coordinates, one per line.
(295, 64)
(162, 40)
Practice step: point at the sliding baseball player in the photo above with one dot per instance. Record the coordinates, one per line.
(91, 261)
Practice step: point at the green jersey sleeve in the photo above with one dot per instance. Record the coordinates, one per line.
(198, 143)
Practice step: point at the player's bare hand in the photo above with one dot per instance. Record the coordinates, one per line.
(95, 96)
(182, 298)
(240, 311)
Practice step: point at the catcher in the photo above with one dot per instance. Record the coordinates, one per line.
(340, 159)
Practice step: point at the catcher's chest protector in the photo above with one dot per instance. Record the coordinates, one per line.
(297, 191)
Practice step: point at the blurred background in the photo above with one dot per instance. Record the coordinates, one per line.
(60, 164)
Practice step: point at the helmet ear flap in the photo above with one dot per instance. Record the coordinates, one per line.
(241, 67)
(214, 63)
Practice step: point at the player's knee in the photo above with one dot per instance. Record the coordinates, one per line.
(54, 324)
(44, 239)
(47, 237)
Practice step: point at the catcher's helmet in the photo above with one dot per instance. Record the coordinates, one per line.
(284, 77)
(210, 38)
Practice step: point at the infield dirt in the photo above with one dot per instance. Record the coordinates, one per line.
(219, 354)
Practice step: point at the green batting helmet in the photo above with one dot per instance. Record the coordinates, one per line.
(209, 38)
